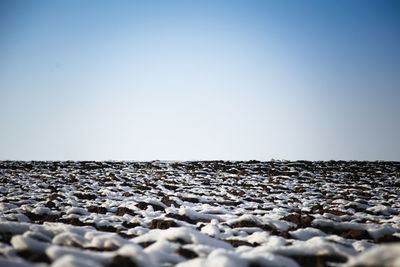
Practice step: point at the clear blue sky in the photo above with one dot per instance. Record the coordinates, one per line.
(186, 80)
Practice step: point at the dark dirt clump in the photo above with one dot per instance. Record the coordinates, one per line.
(143, 205)
(301, 221)
(171, 187)
(124, 235)
(33, 256)
(87, 196)
(352, 234)
(75, 221)
(168, 202)
(190, 199)
(130, 225)
(6, 237)
(121, 211)
(40, 218)
(187, 253)
(55, 196)
(245, 223)
(162, 224)
(317, 261)
(50, 204)
(387, 239)
(238, 243)
(107, 228)
(96, 209)
(185, 218)
(355, 234)
(122, 261)
(146, 244)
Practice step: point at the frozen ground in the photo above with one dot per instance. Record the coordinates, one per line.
(211, 213)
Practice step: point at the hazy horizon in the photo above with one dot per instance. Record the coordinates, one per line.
(199, 80)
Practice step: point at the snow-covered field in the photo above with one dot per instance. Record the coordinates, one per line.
(213, 213)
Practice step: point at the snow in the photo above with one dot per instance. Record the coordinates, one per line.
(13, 227)
(41, 211)
(106, 241)
(14, 263)
(188, 235)
(164, 252)
(374, 230)
(206, 213)
(7, 250)
(362, 245)
(268, 259)
(194, 215)
(38, 236)
(57, 252)
(217, 258)
(73, 261)
(136, 253)
(258, 237)
(316, 246)
(306, 233)
(211, 230)
(70, 239)
(377, 231)
(20, 242)
(388, 255)
(17, 217)
(384, 210)
(77, 210)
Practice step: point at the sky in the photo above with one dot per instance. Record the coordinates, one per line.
(199, 80)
